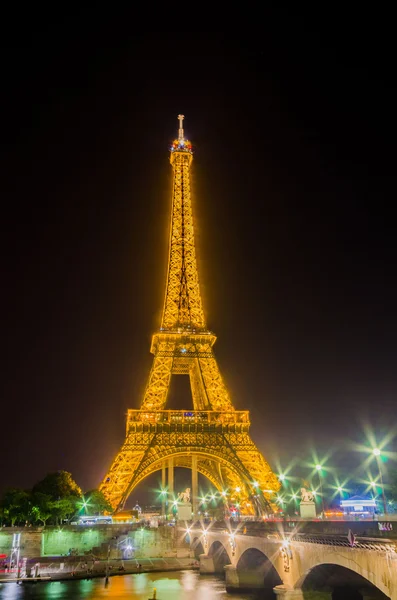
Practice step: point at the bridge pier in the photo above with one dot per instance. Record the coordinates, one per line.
(285, 593)
(206, 564)
(252, 580)
(368, 594)
(232, 580)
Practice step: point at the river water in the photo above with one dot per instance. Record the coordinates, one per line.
(174, 585)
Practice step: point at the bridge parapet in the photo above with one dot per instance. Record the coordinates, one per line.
(379, 544)
(260, 527)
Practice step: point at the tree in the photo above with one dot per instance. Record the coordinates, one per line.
(3, 515)
(96, 502)
(16, 505)
(64, 508)
(58, 485)
(41, 507)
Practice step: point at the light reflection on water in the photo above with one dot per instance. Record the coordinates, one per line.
(177, 585)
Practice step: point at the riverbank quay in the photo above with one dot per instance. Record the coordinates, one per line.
(89, 569)
(67, 543)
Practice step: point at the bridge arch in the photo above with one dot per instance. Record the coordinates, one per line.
(337, 571)
(256, 570)
(197, 547)
(220, 556)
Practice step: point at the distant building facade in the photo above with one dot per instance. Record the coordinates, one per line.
(359, 506)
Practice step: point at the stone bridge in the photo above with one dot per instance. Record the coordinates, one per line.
(297, 565)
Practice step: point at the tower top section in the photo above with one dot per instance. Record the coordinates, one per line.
(181, 132)
(181, 145)
(183, 307)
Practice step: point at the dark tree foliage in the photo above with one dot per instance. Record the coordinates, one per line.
(58, 485)
(52, 500)
(15, 506)
(96, 503)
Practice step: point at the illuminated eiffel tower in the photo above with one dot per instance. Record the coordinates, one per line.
(213, 439)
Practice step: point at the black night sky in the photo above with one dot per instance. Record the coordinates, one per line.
(294, 194)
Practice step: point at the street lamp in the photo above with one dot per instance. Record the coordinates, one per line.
(164, 503)
(376, 453)
(318, 469)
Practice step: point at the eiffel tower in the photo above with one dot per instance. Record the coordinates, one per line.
(213, 439)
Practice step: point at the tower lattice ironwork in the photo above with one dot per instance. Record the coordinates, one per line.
(213, 439)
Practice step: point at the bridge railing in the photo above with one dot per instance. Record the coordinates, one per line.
(261, 528)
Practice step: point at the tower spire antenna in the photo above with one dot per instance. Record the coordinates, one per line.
(181, 132)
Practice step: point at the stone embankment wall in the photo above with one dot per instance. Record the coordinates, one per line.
(163, 541)
(30, 540)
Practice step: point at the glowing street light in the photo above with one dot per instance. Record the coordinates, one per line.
(84, 503)
(339, 488)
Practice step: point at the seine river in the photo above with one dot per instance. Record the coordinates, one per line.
(174, 585)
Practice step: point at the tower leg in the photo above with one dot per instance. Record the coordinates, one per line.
(171, 479)
(194, 486)
(163, 484)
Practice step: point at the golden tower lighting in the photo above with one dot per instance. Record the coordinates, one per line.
(213, 438)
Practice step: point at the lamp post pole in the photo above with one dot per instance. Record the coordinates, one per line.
(318, 468)
(376, 452)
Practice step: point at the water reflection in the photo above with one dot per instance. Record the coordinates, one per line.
(178, 585)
